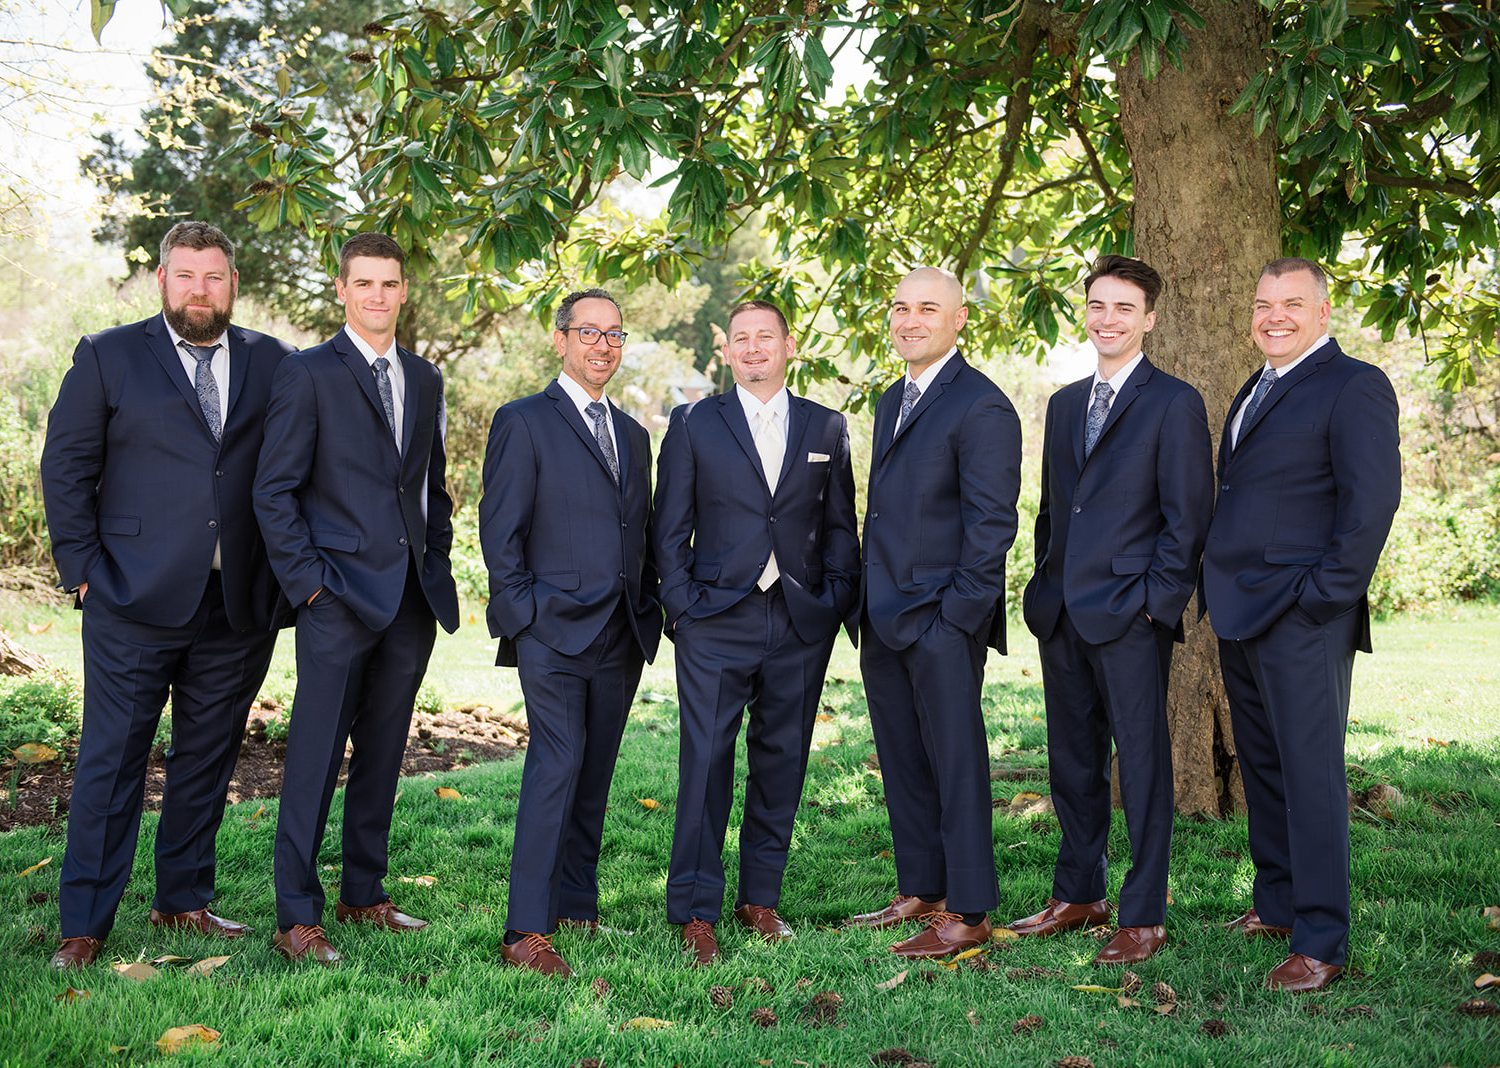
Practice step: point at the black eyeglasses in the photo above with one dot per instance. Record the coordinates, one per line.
(589, 335)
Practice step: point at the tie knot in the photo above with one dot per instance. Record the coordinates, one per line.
(595, 410)
(200, 352)
(380, 364)
(1104, 391)
(913, 392)
(1268, 376)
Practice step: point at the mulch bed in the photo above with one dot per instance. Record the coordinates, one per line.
(438, 742)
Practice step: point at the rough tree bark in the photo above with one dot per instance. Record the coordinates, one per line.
(1207, 216)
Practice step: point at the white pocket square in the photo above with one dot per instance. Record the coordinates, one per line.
(817, 457)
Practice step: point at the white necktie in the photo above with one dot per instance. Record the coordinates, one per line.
(771, 443)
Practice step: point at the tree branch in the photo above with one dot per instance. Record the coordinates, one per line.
(1400, 181)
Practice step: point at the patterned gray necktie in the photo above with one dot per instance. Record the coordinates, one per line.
(1098, 412)
(601, 435)
(908, 401)
(207, 387)
(1267, 380)
(383, 387)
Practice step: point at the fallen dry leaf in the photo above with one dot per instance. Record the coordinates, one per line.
(139, 972)
(71, 994)
(649, 803)
(257, 814)
(893, 982)
(974, 1018)
(1437, 741)
(885, 854)
(447, 793)
(1127, 1003)
(1487, 980)
(38, 866)
(965, 955)
(169, 958)
(1492, 917)
(1024, 796)
(1026, 1024)
(175, 1038)
(34, 753)
(119, 1049)
(1166, 1010)
(1004, 934)
(1091, 989)
(38, 628)
(824, 717)
(645, 1023)
(418, 880)
(207, 964)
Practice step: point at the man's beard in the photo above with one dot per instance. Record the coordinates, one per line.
(198, 330)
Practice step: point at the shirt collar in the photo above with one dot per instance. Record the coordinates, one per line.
(1120, 377)
(177, 339)
(368, 351)
(1286, 369)
(580, 396)
(925, 378)
(753, 405)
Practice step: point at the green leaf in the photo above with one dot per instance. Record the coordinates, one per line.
(100, 12)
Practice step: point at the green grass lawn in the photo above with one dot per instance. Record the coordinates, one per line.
(1423, 872)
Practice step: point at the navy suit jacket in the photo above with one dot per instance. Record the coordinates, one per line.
(138, 491)
(717, 521)
(941, 509)
(562, 542)
(340, 508)
(1306, 500)
(1123, 530)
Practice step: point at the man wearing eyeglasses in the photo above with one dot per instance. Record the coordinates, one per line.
(565, 527)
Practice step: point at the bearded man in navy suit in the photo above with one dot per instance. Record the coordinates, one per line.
(566, 526)
(758, 548)
(1309, 482)
(146, 474)
(350, 496)
(1127, 492)
(945, 472)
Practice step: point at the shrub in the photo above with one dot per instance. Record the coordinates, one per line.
(40, 708)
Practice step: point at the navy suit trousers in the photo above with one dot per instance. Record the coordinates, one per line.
(354, 685)
(1288, 694)
(576, 707)
(934, 761)
(212, 674)
(1094, 692)
(748, 655)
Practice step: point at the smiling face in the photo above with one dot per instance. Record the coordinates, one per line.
(757, 352)
(1116, 320)
(197, 293)
(927, 313)
(591, 366)
(1290, 314)
(372, 292)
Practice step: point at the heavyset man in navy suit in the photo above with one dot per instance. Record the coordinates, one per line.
(351, 500)
(1309, 481)
(945, 472)
(146, 474)
(565, 525)
(1127, 492)
(758, 549)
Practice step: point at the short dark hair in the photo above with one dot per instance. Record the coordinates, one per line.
(564, 317)
(375, 246)
(197, 235)
(1137, 272)
(1291, 265)
(759, 305)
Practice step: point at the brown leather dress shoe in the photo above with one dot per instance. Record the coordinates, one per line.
(1060, 916)
(1251, 925)
(902, 909)
(305, 942)
(200, 920)
(535, 952)
(946, 933)
(76, 953)
(764, 922)
(1131, 945)
(1300, 974)
(385, 914)
(699, 944)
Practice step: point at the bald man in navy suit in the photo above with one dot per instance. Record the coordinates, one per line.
(1309, 483)
(146, 474)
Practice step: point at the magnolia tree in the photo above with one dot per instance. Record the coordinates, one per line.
(1011, 140)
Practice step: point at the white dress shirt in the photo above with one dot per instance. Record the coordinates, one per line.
(580, 396)
(922, 381)
(1281, 372)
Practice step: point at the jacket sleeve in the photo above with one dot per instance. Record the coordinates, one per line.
(505, 514)
(989, 474)
(1185, 490)
(841, 570)
(72, 461)
(674, 516)
(286, 459)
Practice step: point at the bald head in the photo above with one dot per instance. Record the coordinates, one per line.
(927, 313)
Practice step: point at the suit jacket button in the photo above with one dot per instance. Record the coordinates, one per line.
(212, 524)
(773, 519)
(622, 574)
(403, 541)
(874, 515)
(400, 489)
(1077, 510)
(1224, 488)
(218, 474)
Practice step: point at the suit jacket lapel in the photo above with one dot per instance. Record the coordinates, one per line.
(239, 367)
(622, 445)
(359, 367)
(1226, 448)
(1138, 378)
(886, 410)
(570, 415)
(733, 414)
(160, 344)
(411, 368)
(797, 423)
(1076, 414)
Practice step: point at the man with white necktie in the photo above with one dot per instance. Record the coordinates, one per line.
(757, 544)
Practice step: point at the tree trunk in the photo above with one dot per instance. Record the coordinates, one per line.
(1207, 216)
